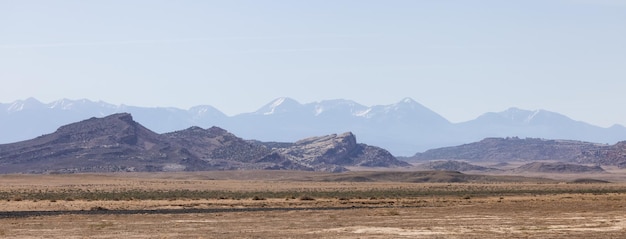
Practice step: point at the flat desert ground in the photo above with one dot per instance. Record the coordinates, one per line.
(279, 204)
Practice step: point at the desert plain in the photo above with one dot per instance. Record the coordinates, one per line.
(289, 204)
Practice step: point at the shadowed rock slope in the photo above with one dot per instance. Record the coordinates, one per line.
(114, 143)
(117, 143)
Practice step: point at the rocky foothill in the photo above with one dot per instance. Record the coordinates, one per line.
(528, 150)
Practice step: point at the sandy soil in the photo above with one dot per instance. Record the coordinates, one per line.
(515, 215)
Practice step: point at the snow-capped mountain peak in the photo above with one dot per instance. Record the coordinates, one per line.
(406, 110)
(532, 115)
(206, 110)
(278, 102)
(19, 105)
(516, 114)
(63, 104)
(408, 100)
(406, 103)
(364, 113)
(339, 106)
(67, 104)
(523, 117)
(280, 105)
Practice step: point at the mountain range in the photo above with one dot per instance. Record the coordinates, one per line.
(403, 128)
(117, 143)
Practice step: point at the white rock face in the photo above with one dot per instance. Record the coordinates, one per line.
(336, 149)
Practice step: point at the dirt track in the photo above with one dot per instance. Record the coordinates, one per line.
(102, 211)
(558, 216)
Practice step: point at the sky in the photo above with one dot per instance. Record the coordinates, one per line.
(459, 58)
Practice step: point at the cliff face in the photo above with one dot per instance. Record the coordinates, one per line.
(118, 143)
(339, 150)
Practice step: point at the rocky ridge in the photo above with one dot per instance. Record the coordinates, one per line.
(118, 143)
(511, 149)
(530, 149)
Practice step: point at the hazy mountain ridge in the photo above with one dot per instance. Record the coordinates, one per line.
(511, 149)
(532, 167)
(404, 128)
(118, 143)
(532, 149)
(542, 167)
(453, 165)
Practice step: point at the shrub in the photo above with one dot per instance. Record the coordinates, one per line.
(306, 198)
(393, 212)
(257, 198)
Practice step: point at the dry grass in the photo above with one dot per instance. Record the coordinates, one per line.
(374, 209)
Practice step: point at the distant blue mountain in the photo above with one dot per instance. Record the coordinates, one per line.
(403, 128)
(536, 124)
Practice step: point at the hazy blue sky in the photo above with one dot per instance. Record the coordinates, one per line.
(459, 58)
